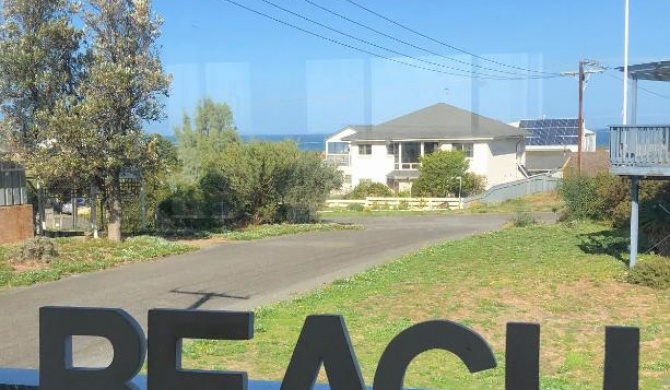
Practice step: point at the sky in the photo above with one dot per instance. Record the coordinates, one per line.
(279, 80)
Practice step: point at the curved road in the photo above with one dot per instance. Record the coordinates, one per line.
(237, 276)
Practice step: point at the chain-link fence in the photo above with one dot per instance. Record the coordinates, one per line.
(80, 210)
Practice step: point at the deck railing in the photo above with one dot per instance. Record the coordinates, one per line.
(640, 145)
(340, 160)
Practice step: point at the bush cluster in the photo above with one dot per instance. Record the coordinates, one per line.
(254, 182)
(607, 198)
(39, 248)
(523, 219)
(654, 273)
(439, 177)
(366, 189)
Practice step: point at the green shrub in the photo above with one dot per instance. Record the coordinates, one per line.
(606, 197)
(440, 173)
(523, 219)
(580, 194)
(403, 205)
(39, 248)
(653, 273)
(355, 207)
(366, 189)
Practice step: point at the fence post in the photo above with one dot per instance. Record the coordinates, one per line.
(40, 211)
(94, 211)
(143, 204)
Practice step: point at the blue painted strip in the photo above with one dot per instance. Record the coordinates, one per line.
(23, 379)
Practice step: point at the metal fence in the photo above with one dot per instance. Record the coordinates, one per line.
(516, 189)
(12, 184)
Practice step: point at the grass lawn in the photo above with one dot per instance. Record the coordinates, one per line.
(79, 255)
(540, 202)
(566, 277)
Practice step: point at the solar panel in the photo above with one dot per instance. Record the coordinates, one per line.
(549, 132)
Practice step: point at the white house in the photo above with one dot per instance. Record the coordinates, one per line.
(551, 142)
(390, 152)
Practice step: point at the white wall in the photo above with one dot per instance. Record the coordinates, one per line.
(481, 159)
(346, 170)
(503, 162)
(372, 167)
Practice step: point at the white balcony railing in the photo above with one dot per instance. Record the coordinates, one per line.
(339, 160)
(642, 146)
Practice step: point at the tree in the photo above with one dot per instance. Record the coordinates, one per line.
(101, 133)
(440, 172)
(202, 145)
(41, 64)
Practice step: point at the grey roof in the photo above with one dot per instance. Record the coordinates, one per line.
(437, 122)
(653, 71)
(357, 128)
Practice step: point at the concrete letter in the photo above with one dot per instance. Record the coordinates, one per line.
(59, 324)
(522, 357)
(622, 356)
(323, 340)
(471, 348)
(167, 328)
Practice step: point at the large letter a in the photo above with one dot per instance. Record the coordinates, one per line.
(324, 339)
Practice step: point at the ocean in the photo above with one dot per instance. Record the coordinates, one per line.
(317, 142)
(307, 142)
(602, 138)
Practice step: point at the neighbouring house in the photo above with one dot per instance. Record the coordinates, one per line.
(551, 142)
(391, 152)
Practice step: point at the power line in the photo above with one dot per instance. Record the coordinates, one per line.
(497, 77)
(405, 42)
(344, 44)
(444, 43)
(641, 88)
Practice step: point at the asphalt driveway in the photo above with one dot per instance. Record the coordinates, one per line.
(235, 276)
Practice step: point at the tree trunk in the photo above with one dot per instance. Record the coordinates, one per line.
(114, 209)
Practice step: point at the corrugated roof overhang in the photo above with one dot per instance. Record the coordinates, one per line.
(652, 71)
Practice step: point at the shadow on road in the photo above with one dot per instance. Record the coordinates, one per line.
(206, 297)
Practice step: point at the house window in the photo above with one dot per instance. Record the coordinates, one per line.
(338, 148)
(410, 155)
(365, 149)
(429, 147)
(392, 148)
(467, 148)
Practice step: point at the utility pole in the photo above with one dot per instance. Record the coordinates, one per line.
(580, 116)
(582, 74)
